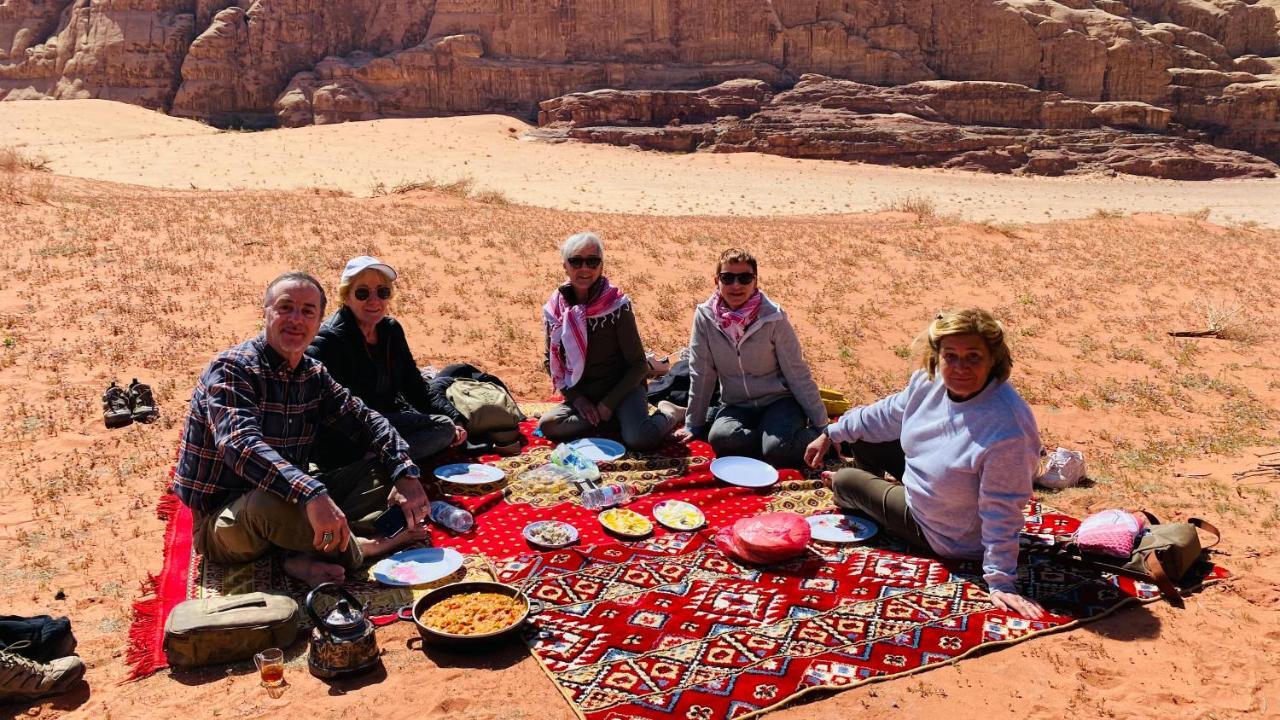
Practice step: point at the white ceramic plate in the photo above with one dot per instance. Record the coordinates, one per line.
(417, 567)
(599, 449)
(469, 473)
(530, 534)
(841, 528)
(668, 514)
(744, 471)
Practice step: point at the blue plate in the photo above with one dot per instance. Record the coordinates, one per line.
(469, 473)
(599, 449)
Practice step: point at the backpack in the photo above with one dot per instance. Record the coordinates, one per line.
(1162, 557)
(489, 410)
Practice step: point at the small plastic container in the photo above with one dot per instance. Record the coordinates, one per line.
(605, 496)
(582, 468)
(450, 517)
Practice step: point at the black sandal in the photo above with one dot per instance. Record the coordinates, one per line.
(142, 402)
(115, 406)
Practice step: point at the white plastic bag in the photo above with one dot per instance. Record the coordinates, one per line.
(1065, 469)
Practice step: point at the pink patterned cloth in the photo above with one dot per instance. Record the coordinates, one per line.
(1110, 532)
(734, 323)
(567, 328)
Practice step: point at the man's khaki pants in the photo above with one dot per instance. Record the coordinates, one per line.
(258, 521)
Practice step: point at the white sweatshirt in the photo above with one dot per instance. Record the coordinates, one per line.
(969, 466)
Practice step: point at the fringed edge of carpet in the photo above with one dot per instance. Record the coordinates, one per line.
(161, 593)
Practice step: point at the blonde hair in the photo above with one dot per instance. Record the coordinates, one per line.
(344, 286)
(964, 321)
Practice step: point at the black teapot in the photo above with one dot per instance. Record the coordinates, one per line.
(343, 641)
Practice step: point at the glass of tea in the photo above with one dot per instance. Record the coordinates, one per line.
(270, 664)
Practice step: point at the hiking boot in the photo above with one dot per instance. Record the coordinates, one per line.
(142, 402)
(40, 638)
(116, 410)
(24, 679)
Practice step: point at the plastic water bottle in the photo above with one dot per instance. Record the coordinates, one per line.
(453, 518)
(605, 496)
(582, 468)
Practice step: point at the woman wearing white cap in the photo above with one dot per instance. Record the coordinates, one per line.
(595, 356)
(365, 350)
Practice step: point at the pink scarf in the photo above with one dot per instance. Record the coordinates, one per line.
(734, 323)
(567, 328)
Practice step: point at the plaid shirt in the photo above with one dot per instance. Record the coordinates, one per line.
(253, 421)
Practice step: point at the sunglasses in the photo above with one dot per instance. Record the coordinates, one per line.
(363, 293)
(592, 262)
(743, 278)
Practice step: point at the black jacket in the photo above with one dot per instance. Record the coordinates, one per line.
(385, 376)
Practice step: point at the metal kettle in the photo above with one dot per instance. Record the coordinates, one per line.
(342, 642)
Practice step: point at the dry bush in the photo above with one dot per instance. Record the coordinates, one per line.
(13, 159)
(921, 206)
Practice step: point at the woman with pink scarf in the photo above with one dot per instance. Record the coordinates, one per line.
(743, 340)
(595, 357)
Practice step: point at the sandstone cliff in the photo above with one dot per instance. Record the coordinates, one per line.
(1210, 63)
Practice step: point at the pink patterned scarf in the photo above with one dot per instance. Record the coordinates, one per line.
(734, 323)
(567, 328)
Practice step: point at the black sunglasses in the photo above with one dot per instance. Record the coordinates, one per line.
(362, 293)
(592, 262)
(728, 278)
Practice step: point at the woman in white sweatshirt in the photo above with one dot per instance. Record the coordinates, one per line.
(963, 444)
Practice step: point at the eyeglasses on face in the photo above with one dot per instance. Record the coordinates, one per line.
(362, 293)
(742, 278)
(591, 261)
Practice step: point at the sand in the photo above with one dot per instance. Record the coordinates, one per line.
(103, 280)
(124, 143)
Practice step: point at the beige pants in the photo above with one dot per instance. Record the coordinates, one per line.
(258, 521)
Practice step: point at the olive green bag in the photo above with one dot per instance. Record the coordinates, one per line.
(210, 631)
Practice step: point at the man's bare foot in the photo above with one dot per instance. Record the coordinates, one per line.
(313, 572)
(376, 547)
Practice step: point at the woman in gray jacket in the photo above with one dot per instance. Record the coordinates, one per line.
(743, 340)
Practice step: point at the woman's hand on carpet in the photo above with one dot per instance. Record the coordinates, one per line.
(828, 476)
(1013, 602)
(682, 435)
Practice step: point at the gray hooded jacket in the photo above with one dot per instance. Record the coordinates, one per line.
(766, 367)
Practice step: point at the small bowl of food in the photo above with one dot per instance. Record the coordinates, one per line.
(624, 522)
(550, 534)
(470, 613)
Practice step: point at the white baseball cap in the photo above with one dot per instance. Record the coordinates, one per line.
(357, 265)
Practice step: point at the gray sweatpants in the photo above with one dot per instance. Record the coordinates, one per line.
(640, 430)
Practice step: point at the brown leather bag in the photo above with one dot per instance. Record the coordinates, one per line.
(212, 631)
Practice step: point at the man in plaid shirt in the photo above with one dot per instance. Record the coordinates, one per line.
(243, 461)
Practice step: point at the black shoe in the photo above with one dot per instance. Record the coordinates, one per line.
(116, 410)
(142, 402)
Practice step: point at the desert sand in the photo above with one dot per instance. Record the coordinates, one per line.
(116, 268)
(124, 143)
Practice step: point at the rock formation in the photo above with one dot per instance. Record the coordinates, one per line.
(1212, 64)
(971, 125)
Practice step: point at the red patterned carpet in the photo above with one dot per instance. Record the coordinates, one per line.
(668, 627)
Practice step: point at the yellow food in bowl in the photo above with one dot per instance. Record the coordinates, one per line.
(626, 522)
(474, 613)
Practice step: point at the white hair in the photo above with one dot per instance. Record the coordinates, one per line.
(577, 242)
